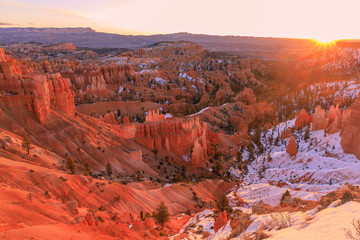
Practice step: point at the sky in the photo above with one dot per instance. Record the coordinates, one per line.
(314, 19)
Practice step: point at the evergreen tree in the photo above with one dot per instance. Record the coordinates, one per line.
(109, 170)
(70, 164)
(161, 214)
(223, 203)
(26, 144)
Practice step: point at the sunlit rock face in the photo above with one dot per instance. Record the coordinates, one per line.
(181, 137)
(350, 132)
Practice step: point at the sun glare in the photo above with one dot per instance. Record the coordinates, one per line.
(325, 42)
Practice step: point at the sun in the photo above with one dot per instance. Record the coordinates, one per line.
(325, 42)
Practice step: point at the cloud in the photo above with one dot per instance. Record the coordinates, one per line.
(6, 24)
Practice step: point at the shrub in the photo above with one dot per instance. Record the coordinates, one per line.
(280, 220)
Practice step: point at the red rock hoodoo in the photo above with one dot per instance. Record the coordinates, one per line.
(291, 148)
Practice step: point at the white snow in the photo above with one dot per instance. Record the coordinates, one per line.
(329, 223)
(161, 81)
(121, 88)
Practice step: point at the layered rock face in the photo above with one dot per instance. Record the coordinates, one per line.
(177, 136)
(94, 80)
(10, 74)
(43, 91)
(350, 132)
(291, 148)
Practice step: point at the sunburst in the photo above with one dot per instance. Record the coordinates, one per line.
(325, 42)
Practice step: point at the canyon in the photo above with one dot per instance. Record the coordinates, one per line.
(172, 122)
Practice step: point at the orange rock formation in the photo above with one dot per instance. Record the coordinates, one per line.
(350, 132)
(177, 136)
(291, 148)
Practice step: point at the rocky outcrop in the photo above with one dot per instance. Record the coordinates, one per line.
(61, 94)
(42, 98)
(96, 80)
(52, 91)
(178, 136)
(10, 74)
(109, 118)
(246, 95)
(220, 221)
(154, 116)
(350, 132)
(291, 148)
(302, 120)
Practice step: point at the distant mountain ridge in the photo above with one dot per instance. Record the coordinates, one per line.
(87, 37)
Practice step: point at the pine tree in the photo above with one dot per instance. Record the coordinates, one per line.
(109, 170)
(223, 203)
(26, 144)
(70, 164)
(161, 214)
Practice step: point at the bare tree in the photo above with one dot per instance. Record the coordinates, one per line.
(349, 234)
